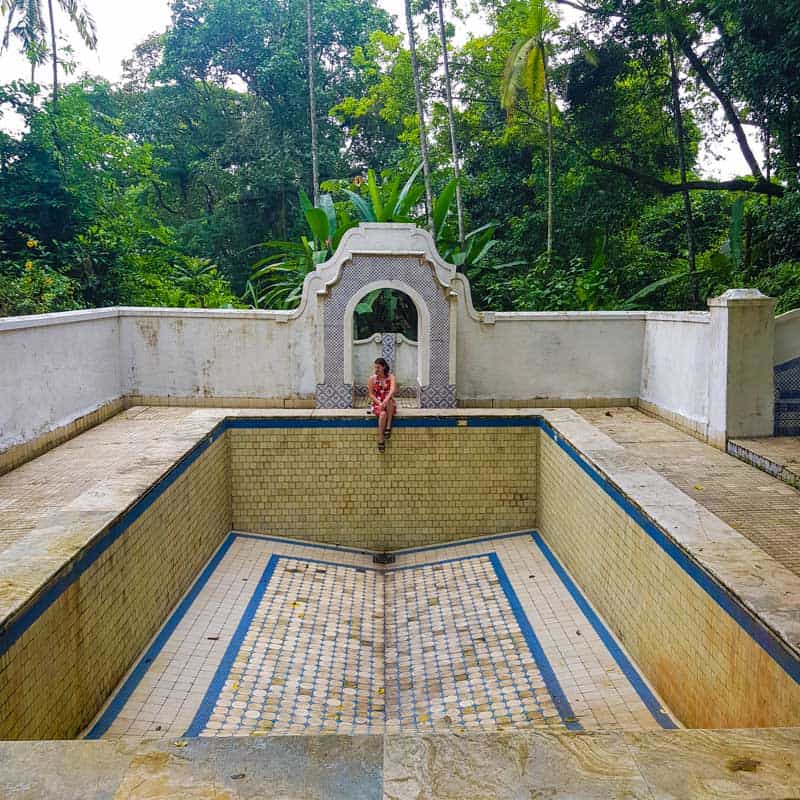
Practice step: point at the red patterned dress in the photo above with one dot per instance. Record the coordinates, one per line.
(380, 390)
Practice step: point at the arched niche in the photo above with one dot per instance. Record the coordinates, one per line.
(386, 256)
(423, 327)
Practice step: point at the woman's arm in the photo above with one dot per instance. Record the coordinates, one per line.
(392, 388)
(371, 388)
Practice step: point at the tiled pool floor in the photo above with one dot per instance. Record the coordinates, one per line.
(281, 637)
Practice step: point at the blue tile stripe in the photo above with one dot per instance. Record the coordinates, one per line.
(157, 645)
(545, 668)
(206, 708)
(755, 629)
(624, 663)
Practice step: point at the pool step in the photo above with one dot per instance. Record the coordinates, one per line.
(778, 456)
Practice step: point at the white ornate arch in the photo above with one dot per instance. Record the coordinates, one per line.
(393, 256)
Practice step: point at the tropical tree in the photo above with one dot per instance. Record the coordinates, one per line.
(277, 279)
(448, 93)
(423, 137)
(25, 23)
(387, 202)
(527, 70)
(312, 105)
(680, 135)
(32, 28)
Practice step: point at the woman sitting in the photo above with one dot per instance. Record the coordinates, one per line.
(382, 388)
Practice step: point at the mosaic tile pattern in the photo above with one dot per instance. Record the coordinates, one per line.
(292, 639)
(312, 658)
(363, 269)
(787, 398)
(455, 655)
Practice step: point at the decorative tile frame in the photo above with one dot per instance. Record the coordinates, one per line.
(787, 398)
(388, 256)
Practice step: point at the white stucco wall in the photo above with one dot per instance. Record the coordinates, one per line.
(675, 363)
(365, 351)
(560, 355)
(55, 368)
(787, 336)
(219, 353)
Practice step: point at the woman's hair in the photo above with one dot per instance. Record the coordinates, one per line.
(385, 364)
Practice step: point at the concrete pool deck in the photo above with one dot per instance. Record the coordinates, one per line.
(759, 506)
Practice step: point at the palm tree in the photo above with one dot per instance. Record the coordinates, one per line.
(32, 27)
(25, 24)
(448, 90)
(527, 70)
(311, 100)
(423, 138)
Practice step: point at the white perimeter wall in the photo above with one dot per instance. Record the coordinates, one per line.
(55, 368)
(199, 353)
(787, 336)
(560, 355)
(675, 363)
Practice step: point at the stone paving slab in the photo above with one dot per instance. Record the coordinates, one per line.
(760, 507)
(54, 506)
(761, 764)
(282, 768)
(735, 765)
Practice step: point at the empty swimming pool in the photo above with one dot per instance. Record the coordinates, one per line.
(238, 595)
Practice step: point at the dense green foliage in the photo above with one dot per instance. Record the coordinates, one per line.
(186, 183)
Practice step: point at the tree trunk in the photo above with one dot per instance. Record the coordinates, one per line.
(55, 53)
(312, 101)
(549, 158)
(448, 89)
(681, 135)
(423, 139)
(768, 165)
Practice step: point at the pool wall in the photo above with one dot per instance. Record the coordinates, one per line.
(714, 664)
(331, 485)
(75, 641)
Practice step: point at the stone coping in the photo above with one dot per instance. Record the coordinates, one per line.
(131, 460)
(741, 764)
(114, 312)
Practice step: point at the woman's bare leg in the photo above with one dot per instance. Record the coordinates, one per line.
(381, 426)
(390, 411)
